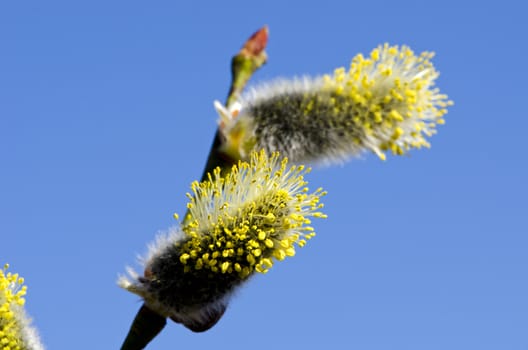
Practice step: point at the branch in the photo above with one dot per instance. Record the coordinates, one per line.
(248, 60)
(148, 324)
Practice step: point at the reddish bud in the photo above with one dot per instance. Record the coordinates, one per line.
(256, 43)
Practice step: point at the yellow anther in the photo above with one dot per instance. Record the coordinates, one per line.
(225, 266)
(184, 257)
(290, 251)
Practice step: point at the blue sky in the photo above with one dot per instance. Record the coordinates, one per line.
(106, 117)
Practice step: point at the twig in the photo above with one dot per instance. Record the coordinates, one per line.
(148, 324)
